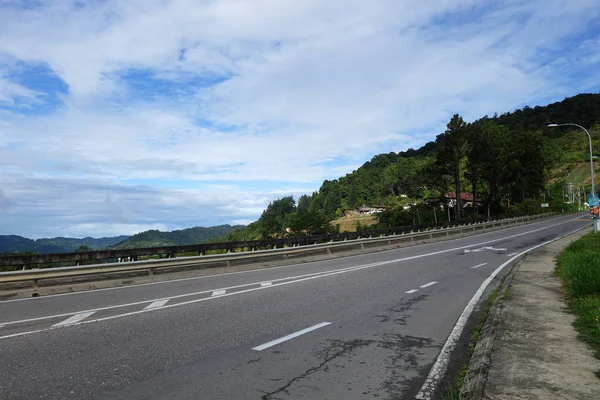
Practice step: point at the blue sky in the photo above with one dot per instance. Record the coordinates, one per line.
(117, 117)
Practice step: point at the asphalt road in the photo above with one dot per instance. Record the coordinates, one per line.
(362, 327)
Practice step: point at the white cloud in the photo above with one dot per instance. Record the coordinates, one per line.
(311, 89)
(11, 92)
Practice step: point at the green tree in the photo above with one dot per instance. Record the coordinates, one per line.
(493, 155)
(273, 217)
(453, 147)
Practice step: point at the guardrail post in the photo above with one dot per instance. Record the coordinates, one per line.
(150, 272)
(328, 250)
(362, 246)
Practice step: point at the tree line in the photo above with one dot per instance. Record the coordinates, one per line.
(508, 163)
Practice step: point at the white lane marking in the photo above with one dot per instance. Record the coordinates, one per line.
(308, 277)
(511, 254)
(479, 265)
(83, 293)
(265, 284)
(411, 291)
(177, 296)
(441, 363)
(428, 284)
(290, 336)
(156, 304)
(74, 319)
(218, 293)
(483, 249)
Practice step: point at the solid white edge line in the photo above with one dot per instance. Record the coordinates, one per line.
(511, 254)
(428, 284)
(479, 265)
(264, 284)
(156, 304)
(83, 293)
(412, 291)
(73, 320)
(320, 275)
(441, 363)
(218, 293)
(290, 336)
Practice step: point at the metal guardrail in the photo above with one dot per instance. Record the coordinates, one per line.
(227, 259)
(24, 261)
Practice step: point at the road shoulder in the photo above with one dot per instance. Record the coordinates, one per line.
(528, 348)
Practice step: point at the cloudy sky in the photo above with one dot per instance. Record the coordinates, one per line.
(121, 116)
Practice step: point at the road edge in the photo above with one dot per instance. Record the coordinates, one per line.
(479, 363)
(108, 281)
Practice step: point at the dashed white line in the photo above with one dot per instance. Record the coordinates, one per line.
(428, 284)
(74, 319)
(156, 304)
(290, 336)
(218, 293)
(479, 265)
(441, 363)
(511, 254)
(411, 291)
(265, 284)
(294, 280)
(273, 268)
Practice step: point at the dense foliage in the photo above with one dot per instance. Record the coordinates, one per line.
(511, 163)
(194, 235)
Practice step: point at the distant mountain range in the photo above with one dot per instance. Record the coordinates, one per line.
(17, 244)
(195, 235)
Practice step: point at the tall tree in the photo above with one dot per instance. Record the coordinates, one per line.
(273, 218)
(453, 147)
(493, 152)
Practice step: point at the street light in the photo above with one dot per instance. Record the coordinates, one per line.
(591, 162)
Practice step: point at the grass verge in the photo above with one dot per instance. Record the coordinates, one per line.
(453, 392)
(579, 267)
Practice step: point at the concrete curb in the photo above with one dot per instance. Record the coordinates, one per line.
(108, 280)
(479, 365)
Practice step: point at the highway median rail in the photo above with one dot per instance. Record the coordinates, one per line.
(127, 262)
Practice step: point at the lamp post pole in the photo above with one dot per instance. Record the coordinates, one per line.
(591, 162)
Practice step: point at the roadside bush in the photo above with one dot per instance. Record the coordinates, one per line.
(530, 206)
(581, 272)
(579, 266)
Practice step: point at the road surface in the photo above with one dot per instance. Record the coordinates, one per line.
(360, 327)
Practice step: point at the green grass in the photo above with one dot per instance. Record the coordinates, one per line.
(579, 266)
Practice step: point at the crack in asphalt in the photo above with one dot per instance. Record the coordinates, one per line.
(406, 353)
(346, 347)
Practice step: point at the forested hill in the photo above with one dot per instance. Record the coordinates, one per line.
(17, 244)
(194, 235)
(510, 161)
